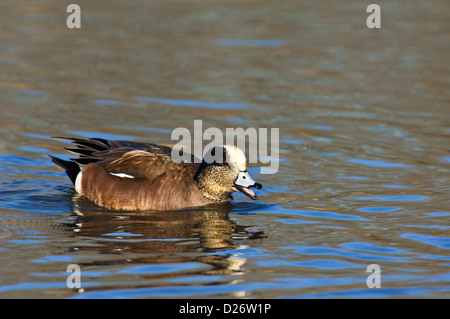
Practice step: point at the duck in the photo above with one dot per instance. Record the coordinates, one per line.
(129, 175)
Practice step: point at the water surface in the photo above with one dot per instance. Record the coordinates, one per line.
(364, 147)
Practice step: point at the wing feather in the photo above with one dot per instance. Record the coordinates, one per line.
(148, 165)
(138, 159)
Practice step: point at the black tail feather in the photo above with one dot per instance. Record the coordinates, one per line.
(86, 149)
(71, 168)
(84, 160)
(80, 151)
(92, 144)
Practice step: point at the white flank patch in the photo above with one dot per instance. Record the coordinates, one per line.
(78, 182)
(122, 175)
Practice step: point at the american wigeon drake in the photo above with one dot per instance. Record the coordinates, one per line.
(124, 175)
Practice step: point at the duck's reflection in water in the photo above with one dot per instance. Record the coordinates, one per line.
(184, 236)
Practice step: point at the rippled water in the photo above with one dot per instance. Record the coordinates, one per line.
(364, 147)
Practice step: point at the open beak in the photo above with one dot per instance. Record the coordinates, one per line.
(244, 182)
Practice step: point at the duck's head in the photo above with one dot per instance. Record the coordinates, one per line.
(224, 171)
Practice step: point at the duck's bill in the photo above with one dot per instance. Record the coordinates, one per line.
(247, 191)
(243, 184)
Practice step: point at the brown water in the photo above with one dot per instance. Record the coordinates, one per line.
(364, 121)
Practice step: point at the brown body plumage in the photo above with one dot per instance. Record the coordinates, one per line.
(127, 175)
